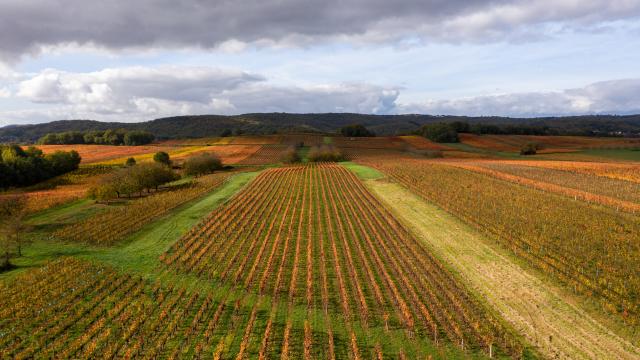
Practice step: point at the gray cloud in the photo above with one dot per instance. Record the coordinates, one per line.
(28, 25)
(607, 97)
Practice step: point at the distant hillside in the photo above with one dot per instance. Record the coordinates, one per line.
(269, 123)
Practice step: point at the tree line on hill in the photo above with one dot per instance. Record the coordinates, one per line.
(325, 123)
(19, 167)
(107, 137)
(447, 132)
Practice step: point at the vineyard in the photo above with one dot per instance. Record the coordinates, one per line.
(513, 143)
(618, 194)
(113, 224)
(314, 238)
(266, 154)
(595, 250)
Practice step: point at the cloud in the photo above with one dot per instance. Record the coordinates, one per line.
(26, 26)
(139, 93)
(607, 97)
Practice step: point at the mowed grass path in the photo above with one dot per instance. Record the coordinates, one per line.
(139, 253)
(544, 313)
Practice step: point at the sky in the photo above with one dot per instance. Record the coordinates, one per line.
(139, 60)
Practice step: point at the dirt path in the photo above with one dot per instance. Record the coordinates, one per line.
(542, 312)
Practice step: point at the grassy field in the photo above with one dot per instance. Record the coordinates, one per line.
(137, 253)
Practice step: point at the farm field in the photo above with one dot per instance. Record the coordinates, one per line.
(592, 249)
(543, 312)
(60, 190)
(114, 223)
(333, 260)
(92, 154)
(410, 250)
(550, 144)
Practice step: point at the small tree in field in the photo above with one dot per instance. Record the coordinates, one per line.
(130, 162)
(529, 149)
(202, 164)
(162, 158)
(12, 229)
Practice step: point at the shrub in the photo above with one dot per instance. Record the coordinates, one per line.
(130, 162)
(529, 149)
(202, 164)
(325, 153)
(162, 158)
(291, 156)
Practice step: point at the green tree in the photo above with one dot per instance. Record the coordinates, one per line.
(440, 132)
(356, 130)
(162, 158)
(134, 138)
(130, 162)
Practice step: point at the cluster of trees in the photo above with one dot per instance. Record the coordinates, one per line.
(202, 164)
(356, 130)
(106, 137)
(133, 179)
(12, 229)
(19, 167)
(440, 132)
(325, 153)
(447, 132)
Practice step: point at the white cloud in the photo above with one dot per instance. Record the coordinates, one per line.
(138, 93)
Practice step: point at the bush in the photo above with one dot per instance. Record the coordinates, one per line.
(529, 149)
(202, 164)
(440, 132)
(356, 130)
(291, 156)
(325, 153)
(162, 158)
(130, 162)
